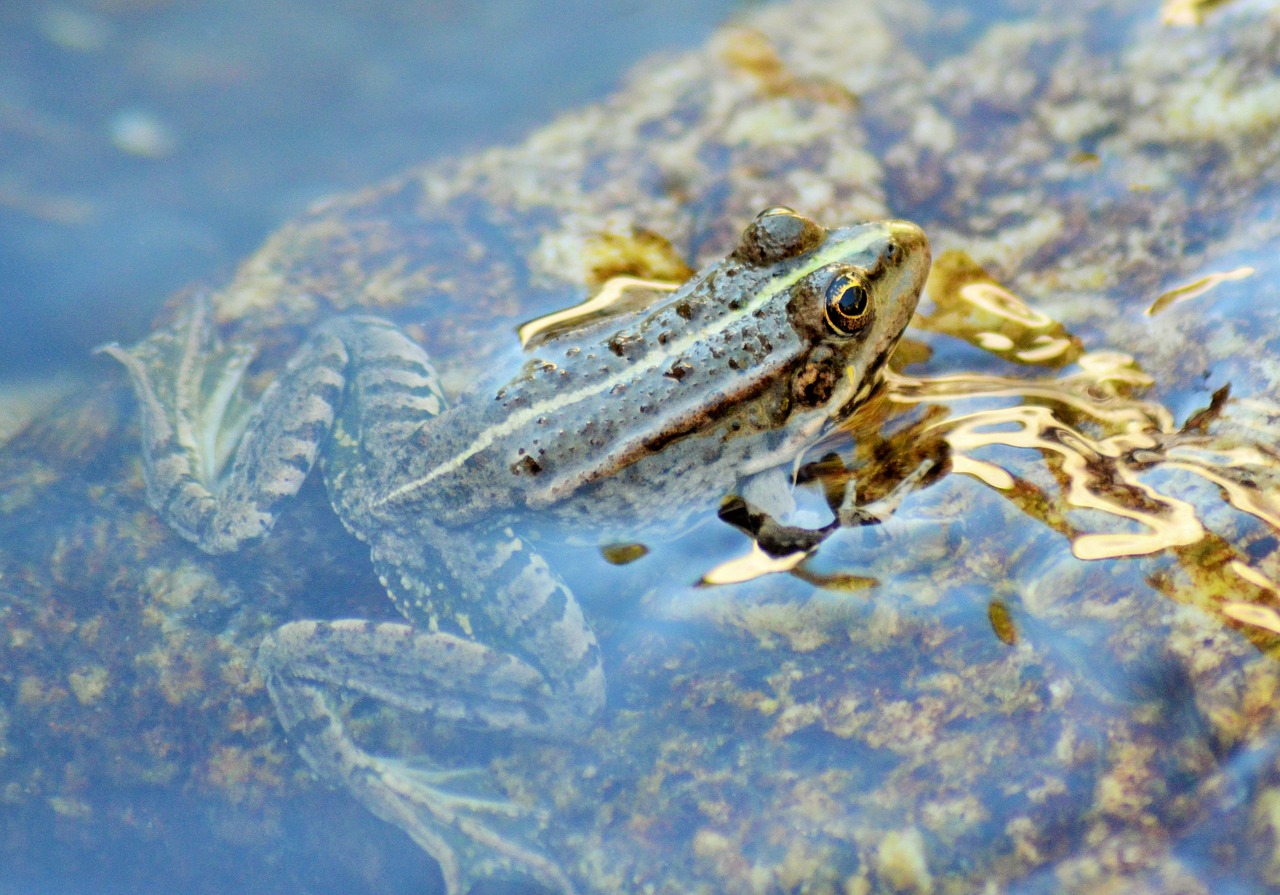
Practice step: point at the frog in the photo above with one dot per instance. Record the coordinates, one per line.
(647, 417)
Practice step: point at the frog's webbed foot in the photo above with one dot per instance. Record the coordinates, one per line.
(196, 423)
(218, 468)
(851, 514)
(193, 415)
(464, 789)
(472, 837)
(455, 814)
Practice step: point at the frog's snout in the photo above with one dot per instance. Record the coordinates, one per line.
(909, 238)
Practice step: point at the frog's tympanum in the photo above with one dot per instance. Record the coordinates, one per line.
(652, 415)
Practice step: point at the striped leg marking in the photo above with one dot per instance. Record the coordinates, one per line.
(472, 836)
(218, 470)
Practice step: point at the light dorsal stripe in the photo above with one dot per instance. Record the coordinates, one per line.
(838, 249)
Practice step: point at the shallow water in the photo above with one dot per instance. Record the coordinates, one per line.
(1052, 669)
(147, 145)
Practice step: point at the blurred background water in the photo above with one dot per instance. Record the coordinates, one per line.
(146, 144)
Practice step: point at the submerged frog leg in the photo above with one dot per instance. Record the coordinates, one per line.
(541, 677)
(216, 472)
(496, 641)
(851, 514)
(778, 539)
(307, 663)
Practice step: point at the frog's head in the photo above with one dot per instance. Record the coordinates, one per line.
(847, 293)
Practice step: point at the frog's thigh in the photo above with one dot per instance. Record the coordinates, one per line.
(440, 674)
(499, 590)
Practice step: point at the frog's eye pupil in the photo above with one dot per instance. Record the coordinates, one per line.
(848, 302)
(852, 301)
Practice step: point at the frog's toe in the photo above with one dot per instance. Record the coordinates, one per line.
(461, 789)
(451, 815)
(188, 387)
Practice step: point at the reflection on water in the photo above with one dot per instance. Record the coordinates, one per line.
(1187, 13)
(1099, 439)
(1197, 288)
(969, 304)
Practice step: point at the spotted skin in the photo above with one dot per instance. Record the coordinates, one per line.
(650, 416)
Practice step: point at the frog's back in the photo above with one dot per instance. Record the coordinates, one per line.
(606, 399)
(655, 412)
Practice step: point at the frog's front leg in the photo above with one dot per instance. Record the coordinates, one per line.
(520, 659)
(765, 500)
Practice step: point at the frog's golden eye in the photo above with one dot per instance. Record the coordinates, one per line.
(848, 302)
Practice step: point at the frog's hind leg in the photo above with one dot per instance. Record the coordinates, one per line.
(471, 834)
(218, 468)
(499, 644)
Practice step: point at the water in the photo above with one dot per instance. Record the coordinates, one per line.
(150, 145)
(1052, 669)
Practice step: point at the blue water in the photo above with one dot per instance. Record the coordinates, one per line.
(144, 146)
